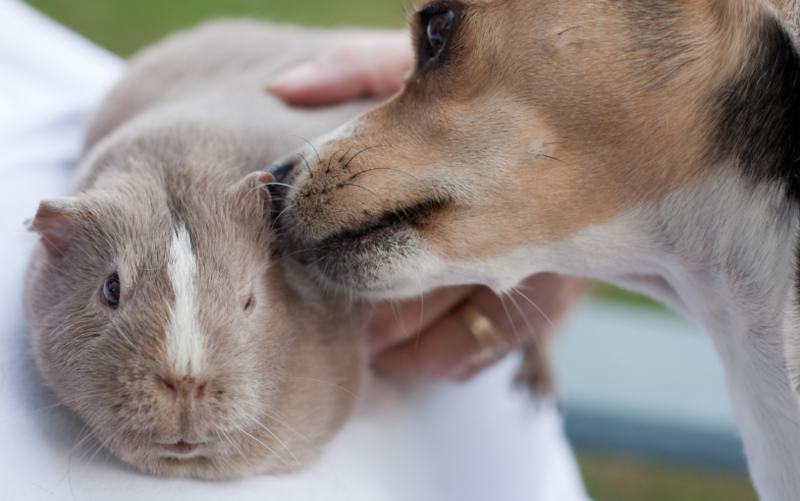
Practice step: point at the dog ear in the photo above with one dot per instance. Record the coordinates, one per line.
(789, 14)
(57, 223)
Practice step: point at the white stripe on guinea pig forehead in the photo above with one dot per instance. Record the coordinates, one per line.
(185, 342)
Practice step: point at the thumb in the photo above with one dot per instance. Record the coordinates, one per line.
(364, 66)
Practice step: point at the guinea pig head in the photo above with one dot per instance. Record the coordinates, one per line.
(162, 317)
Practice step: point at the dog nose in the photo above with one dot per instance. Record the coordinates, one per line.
(282, 169)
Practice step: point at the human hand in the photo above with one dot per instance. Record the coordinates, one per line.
(430, 337)
(363, 65)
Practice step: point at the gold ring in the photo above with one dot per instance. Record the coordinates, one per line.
(491, 340)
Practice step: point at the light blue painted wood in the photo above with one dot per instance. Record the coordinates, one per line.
(643, 380)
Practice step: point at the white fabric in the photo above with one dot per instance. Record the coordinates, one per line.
(435, 442)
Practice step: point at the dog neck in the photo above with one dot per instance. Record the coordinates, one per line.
(724, 254)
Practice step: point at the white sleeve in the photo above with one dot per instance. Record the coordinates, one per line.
(436, 442)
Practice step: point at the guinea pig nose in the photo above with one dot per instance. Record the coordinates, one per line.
(186, 387)
(282, 169)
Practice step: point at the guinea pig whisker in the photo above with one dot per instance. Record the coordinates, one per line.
(79, 441)
(58, 327)
(265, 445)
(66, 258)
(41, 409)
(94, 454)
(234, 446)
(126, 338)
(258, 274)
(276, 183)
(96, 446)
(279, 216)
(259, 423)
(46, 262)
(282, 422)
(329, 384)
(79, 444)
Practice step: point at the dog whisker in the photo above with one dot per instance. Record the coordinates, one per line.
(515, 289)
(363, 188)
(421, 310)
(330, 159)
(534, 337)
(308, 167)
(345, 167)
(383, 168)
(310, 144)
(510, 320)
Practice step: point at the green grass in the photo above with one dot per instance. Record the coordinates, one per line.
(124, 26)
(610, 478)
(608, 291)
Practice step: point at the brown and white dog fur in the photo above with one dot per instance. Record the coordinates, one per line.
(651, 143)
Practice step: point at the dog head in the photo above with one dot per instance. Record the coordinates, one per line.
(525, 124)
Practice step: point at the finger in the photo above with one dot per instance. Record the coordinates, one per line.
(447, 348)
(394, 323)
(545, 300)
(359, 66)
(318, 83)
(438, 353)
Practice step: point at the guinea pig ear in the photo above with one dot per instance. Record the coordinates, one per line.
(253, 191)
(57, 223)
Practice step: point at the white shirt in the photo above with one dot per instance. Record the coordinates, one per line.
(434, 441)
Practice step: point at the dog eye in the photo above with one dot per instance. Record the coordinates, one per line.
(111, 290)
(438, 24)
(438, 30)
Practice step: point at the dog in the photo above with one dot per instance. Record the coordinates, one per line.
(654, 144)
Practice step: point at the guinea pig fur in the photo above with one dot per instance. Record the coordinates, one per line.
(160, 308)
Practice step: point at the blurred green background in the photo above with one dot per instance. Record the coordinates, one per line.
(124, 26)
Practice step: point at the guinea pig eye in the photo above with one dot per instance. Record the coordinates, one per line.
(438, 30)
(111, 290)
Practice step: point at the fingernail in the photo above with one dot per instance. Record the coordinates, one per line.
(299, 76)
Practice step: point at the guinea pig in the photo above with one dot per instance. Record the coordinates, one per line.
(161, 309)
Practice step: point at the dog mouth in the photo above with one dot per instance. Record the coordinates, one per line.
(361, 258)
